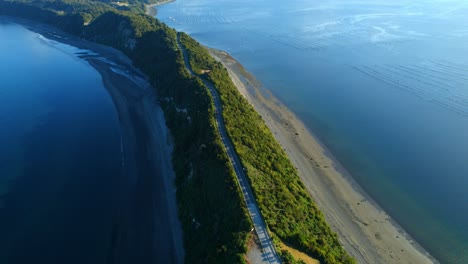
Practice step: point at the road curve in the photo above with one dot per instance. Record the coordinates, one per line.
(269, 252)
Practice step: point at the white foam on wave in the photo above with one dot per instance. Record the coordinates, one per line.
(363, 17)
(105, 60)
(382, 35)
(140, 82)
(320, 7)
(69, 49)
(322, 26)
(120, 72)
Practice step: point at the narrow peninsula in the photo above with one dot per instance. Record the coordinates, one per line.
(216, 135)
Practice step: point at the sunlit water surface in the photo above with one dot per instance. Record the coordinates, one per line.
(384, 84)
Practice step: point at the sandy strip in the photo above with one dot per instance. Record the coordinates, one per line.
(152, 11)
(149, 222)
(148, 167)
(365, 230)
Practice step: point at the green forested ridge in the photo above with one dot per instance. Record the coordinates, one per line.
(288, 209)
(213, 215)
(212, 212)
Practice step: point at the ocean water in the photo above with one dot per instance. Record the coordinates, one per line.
(60, 153)
(383, 84)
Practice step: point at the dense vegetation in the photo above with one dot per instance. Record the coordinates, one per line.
(283, 200)
(213, 215)
(211, 209)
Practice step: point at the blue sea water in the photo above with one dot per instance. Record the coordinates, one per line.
(384, 85)
(60, 154)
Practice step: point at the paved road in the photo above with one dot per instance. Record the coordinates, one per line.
(269, 251)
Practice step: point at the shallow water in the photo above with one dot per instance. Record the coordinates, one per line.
(60, 153)
(383, 85)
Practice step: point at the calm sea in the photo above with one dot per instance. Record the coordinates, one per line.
(60, 153)
(384, 84)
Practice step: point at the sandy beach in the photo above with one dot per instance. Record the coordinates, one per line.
(148, 226)
(152, 11)
(364, 229)
(147, 152)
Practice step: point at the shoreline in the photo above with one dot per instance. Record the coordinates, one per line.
(147, 150)
(147, 155)
(364, 229)
(152, 11)
(348, 209)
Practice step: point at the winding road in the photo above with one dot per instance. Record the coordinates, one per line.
(269, 252)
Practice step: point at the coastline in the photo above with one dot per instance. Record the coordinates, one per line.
(364, 229)
(147, 153)
(361, 224)
(152, 11)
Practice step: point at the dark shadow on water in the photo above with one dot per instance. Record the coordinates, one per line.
(61, 209)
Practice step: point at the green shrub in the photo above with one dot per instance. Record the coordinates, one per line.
(288, 209)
